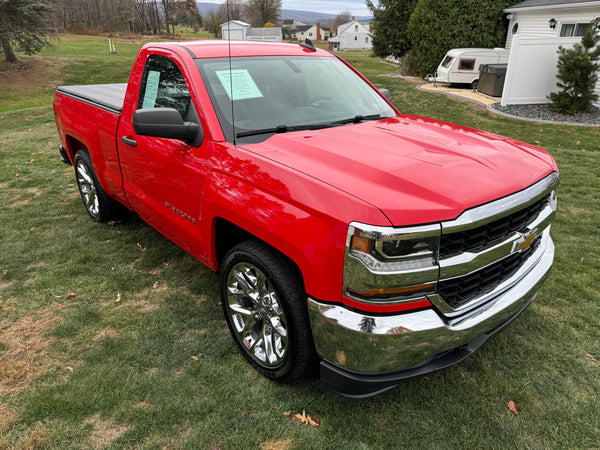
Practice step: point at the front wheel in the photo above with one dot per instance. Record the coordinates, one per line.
(265, 309)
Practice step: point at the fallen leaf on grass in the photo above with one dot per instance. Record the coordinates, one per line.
(118, 299)
(69, 368)
(306, 419)
(140, 246)
(153, 272)
(71, 294)
(155, 285)
(513, 407)
(287, 413)
(5, 272)
(591, 358)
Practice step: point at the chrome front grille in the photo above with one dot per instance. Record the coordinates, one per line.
(486, 249)
(457, 292)
(491, 233)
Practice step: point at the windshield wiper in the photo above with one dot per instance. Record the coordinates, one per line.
(314, 126)
(284, 129)
(358, 118)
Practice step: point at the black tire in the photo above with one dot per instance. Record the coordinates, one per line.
(257, 284)
(474, 85)
(97, 203)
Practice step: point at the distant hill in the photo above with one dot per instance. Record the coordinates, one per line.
(301, 16)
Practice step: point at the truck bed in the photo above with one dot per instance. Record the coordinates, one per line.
(106, 96)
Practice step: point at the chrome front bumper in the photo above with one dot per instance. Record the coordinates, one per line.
(364, 355)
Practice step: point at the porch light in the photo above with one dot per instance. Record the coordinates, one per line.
(552, 23)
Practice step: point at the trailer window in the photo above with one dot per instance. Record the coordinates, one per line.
(446, 62)
(466, 64)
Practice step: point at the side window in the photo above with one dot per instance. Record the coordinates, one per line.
(163, 86)
(466, 64)
(573, 29)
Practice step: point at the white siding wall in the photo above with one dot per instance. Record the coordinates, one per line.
(355, 36)
(531, 73)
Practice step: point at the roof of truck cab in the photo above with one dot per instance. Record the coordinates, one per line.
(212, 48)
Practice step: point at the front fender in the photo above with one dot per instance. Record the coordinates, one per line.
(303, 218)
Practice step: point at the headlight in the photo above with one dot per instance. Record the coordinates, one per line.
(385, 263)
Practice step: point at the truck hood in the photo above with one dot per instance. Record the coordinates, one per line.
(415, 170)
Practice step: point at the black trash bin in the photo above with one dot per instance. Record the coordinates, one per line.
(491, 79)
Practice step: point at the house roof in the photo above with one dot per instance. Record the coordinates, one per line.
(303, 27)
(238, 22)
(546, 3)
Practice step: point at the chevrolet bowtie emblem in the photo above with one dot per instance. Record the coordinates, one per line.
(525, 241)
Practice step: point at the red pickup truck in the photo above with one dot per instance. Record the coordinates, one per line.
(380, 245)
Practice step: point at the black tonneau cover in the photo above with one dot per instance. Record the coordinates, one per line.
(106, 96)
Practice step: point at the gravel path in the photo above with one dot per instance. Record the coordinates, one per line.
(542, 113)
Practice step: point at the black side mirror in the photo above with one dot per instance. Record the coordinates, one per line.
(385, 93)
(166, 123)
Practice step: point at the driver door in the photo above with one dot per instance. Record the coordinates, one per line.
(161, 177)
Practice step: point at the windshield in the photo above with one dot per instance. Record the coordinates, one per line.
(275, 94)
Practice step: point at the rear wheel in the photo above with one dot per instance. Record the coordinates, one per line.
(475, 84)
(98, 204)
(265, 309)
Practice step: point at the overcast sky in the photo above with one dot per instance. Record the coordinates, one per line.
(356, 7)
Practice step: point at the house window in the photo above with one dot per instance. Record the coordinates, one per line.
(466, 64)
(366, 40)
(515, 28)
(573, 29)
(356, 38)
(356, 28)
(310, 34)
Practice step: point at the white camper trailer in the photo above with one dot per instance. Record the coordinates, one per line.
(461, 65)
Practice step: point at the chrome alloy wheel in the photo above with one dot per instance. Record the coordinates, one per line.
(87, 187)
(256, 315)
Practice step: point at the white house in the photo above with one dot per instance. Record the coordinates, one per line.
(352, 35)
(236, 30)
(266, 34)
(536, 29)
(317, 32)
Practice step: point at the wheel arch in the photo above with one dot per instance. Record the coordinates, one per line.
(227, 235)
(73, 145)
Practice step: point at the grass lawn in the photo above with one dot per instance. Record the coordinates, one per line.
(110, 335)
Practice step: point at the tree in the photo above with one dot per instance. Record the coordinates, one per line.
(578, 74)
(340, 19)
(231, 10)
(24, 25)
(212, 22)
(259, 12)
(390, 26)
(437, 26)
(188, 15)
